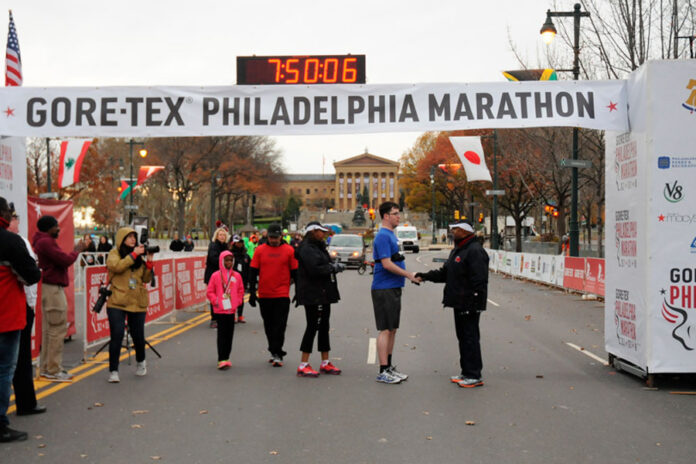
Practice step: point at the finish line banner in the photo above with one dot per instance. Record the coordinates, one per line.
(306, 110)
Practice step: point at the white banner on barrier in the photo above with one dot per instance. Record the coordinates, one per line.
(319, 109)
(13, 176)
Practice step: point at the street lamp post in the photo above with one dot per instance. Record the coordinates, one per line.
(548, 31)
(494, 212)
(143, 153)
(432, 191)
(214, 178)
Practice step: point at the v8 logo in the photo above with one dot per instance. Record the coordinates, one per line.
(673, 193)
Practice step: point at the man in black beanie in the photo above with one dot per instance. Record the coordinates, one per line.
(54, 264)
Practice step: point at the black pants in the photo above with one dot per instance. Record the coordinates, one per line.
(467, 326)
(240, 309)
(274, 312)
(117, 326)
(317, 319)
(225, 334)
(213, 316)
(23, 380)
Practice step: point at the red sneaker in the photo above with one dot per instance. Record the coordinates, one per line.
(330, 369)
(307, 371)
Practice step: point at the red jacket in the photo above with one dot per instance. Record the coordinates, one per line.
(220, 279)
(53, 261)
(17, 268)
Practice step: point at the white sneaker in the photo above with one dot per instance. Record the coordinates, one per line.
(142, 369)
(113, 377)
(400, 375)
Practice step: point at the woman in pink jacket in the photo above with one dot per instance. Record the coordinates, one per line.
(225, 293)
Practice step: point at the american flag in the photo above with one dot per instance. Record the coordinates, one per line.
(13, 61)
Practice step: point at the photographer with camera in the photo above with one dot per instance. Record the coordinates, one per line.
(129, 272)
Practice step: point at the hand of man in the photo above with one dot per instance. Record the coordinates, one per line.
(338, 267)
(413, 278)
(252, 299)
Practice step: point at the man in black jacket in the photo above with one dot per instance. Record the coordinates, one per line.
(465, 275)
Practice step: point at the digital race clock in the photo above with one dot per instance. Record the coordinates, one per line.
(313, 69)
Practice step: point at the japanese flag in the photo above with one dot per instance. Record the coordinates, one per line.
(72, 153)
(470, 152)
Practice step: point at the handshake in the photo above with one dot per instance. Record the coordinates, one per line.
(416, 278)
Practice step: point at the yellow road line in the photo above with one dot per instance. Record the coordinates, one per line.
(43, 392)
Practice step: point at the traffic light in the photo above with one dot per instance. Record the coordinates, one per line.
(456, 214)
(480, 219)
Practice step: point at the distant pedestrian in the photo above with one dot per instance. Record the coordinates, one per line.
(104, 245)
(176, 244)
(465, 274)
(275, 265)
(188, 244)
(225, 294)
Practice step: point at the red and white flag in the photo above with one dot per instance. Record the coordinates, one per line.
(146, 172)
(72, 153)
(13, 60)
(470, 152)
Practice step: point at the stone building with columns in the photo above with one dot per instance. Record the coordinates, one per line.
(341, 190)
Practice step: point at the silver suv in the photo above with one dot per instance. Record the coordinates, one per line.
(348, 249)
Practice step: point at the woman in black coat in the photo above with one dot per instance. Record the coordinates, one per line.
(212, 263)
(316, 289)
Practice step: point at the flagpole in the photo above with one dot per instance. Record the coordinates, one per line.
(48, 163)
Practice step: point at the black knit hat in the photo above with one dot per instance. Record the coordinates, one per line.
(46, 223)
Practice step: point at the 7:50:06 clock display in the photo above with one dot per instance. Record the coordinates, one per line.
(321, 69)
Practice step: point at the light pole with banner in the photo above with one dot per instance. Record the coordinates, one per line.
(143, 153)
(548, 31)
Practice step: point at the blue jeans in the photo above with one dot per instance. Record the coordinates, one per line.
(9, 349)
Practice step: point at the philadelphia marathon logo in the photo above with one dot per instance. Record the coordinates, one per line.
(679, 304)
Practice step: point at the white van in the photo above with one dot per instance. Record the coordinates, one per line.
(408, 238)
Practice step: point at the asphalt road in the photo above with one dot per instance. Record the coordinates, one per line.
(543, 400)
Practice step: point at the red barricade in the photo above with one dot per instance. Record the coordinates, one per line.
(574, 273)
(162, 293)
(190, 289)
(594, 276)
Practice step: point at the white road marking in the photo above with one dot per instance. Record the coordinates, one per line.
(493, 302)
(588, 353)
(372, 351)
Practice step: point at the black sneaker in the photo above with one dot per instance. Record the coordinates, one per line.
(7, 435)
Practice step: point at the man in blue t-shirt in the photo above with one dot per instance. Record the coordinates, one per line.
(389, 277)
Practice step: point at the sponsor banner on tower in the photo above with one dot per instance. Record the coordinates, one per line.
(310, 109)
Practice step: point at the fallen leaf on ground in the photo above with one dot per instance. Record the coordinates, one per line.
(426, 413)
(39, 437)
(539, 376)
(203, 411)
(382, 440)
(527, 318)
(470, 423)
(83, 456)
(41, 445)
(156, 458)
(428, 437)
(136, 426)
(98, 405)
(273, 452)
(572, 388)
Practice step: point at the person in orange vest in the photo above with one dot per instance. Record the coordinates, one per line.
(565, 246)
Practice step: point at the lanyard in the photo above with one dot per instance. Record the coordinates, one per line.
(229, 279)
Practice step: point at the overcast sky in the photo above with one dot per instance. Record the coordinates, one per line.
(153, 42)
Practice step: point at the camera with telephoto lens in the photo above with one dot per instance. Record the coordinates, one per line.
(104, 293)
(144, 239)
